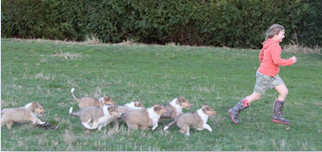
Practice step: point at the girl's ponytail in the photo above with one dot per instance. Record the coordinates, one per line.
(265, 40)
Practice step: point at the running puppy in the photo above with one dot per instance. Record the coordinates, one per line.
(89, 101)
(96, 115)
(22, 114)
(125, 108)
(196, 120)
(129, 106)
(174, 108)
(143, 118)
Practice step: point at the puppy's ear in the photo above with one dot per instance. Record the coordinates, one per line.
(157, 107)
(182, 99)
(204, 106)
(34, 104)
(139, 104)
(115, 107)
(107, 98)
(112, 108)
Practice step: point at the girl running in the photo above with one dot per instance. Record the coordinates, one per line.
(267, 75)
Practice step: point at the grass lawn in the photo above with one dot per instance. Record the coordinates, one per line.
(46, 71)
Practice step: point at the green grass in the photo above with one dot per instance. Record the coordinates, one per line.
(45, 71)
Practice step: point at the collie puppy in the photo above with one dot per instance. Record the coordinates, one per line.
(129, 106)
(97, 116)
(89, 101)
(143, 118)
(125, 108)
(174, 108)
(197, 119)
(22, 114)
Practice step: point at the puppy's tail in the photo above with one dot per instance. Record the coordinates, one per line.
(73, 113)
(74, 96)
(170, 124)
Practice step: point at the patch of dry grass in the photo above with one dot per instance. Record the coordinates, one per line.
(92, 39)
(127, 42)
(67, 55)
(294, 48)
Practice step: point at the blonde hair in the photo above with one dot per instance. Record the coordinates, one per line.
(273, 30)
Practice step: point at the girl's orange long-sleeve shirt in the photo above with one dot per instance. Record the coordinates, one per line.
(270, 58)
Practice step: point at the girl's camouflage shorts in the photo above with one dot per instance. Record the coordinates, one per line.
(264, 82)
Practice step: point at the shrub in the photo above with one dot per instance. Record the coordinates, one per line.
(232, 23)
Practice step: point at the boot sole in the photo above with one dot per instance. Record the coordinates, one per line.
(278, 121)
(232, 118)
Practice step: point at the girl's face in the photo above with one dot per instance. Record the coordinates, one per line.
(280, 36)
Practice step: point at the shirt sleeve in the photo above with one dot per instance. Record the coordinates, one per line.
(276, 51)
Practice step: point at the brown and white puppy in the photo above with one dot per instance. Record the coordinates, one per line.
(129, 106)
(143, 118)
(90, 101)
(98, 116)
(197, 119)
(125, 108)
(22, 114)
(174, 108)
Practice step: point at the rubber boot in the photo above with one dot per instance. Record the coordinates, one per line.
(277, 112)
(240, 106)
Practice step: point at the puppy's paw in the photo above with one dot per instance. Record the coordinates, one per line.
(165, 128)
(155, 126)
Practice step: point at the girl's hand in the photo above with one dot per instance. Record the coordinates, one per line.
(294, 58)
